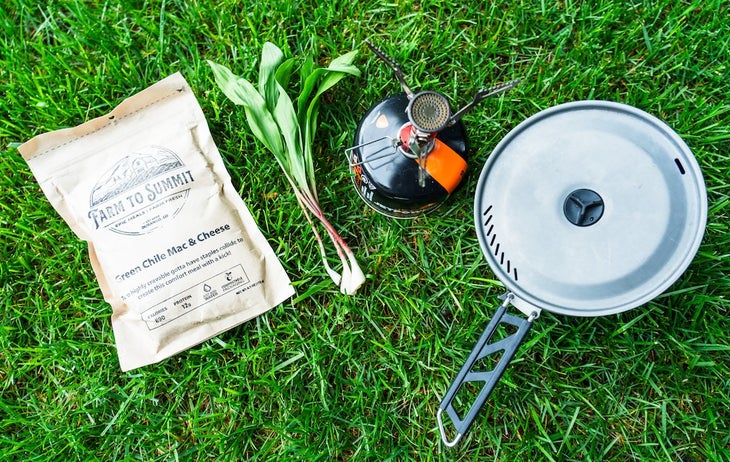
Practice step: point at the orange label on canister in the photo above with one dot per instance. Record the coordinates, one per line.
(445, 166)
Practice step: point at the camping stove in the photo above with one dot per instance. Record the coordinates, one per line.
(410, 150)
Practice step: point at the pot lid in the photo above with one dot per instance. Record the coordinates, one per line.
(590, 208)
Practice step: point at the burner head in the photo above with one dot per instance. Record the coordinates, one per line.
(429, 111)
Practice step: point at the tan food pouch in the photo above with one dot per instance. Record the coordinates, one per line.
(176, 252)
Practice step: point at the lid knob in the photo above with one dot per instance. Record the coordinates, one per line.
(583, 207)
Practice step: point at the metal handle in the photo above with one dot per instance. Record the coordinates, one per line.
(508, 346)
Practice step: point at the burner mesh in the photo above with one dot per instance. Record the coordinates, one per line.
(429, 111)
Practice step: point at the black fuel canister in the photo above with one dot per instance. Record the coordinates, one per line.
(386, 174)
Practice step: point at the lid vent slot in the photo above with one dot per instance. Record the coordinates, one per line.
(680, 166)
(495, 245)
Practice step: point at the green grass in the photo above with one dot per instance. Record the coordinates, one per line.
(331, 377)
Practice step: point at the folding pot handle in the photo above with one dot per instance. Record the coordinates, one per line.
(483, 348)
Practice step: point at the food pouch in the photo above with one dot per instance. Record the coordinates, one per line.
(175, 250)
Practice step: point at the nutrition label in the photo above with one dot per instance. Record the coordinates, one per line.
(195, 297)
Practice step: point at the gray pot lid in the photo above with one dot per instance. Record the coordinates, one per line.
(590, 208)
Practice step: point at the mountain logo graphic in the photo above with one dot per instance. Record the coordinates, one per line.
(140, 192)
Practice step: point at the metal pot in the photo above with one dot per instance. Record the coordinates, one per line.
(588, 208)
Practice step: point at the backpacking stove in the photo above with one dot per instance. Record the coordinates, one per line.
(410, 150)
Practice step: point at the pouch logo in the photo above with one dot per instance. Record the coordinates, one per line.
(140, 192)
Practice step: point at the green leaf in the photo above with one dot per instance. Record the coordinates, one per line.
(311, 79)
(284, 72)
(240, 91)
(307, 68)
(286, 119)
(308, 106)
(271, 58)
(308, 79)
(344, 64)
(229, 83)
